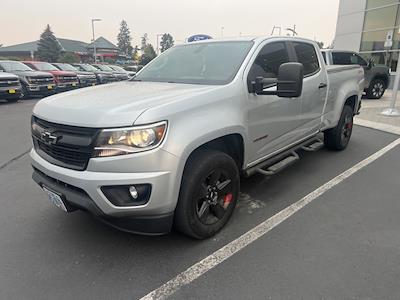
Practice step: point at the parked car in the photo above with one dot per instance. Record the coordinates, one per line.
(168, 146)
(117, 74)
(101, 76)
(34, 83)
(132, 70)
(376, 77)
(65, 80)
(10, 87)
(119, 71)
(85, 78)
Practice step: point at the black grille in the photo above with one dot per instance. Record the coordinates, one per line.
(42, 80)
(68, 79)
(9, 82)
(70, 146)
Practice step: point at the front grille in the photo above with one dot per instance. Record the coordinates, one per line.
(41, 80)
(68, 79)
(71, 146)
(6, 82)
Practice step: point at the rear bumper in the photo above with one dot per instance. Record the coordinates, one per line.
(76, 198)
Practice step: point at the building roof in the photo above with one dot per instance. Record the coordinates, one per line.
(103, 44)
(67, 45)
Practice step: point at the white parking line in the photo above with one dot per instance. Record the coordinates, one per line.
(211, 261)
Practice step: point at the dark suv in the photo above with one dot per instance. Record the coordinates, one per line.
(376, 77)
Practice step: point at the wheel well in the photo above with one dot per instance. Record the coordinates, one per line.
(385, 79)
(351, 101)
(231, 144)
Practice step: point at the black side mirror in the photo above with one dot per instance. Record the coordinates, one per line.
(289, 82)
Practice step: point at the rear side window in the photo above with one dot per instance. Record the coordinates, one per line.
(307, 56)
(347, 58)
(268, 61)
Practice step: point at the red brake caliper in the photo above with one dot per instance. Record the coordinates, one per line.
(227, 200)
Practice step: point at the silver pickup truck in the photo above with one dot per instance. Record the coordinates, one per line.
(170, 146)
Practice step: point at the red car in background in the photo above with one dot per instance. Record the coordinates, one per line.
(64, 80)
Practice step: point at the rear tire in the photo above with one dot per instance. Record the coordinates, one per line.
(376, 89)
(208, 195)
(338, 138)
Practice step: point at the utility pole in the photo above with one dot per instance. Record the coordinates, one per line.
(94, 40)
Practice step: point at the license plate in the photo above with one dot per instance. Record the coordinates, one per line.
(11, 91)
(74, 84)
(49, 87)
(55, 198)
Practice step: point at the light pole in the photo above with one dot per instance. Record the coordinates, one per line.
(94, 41)
(158, 43)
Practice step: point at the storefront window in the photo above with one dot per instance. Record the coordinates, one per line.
(380, 18)
(378, 3)
(383, 58)
(373, 40)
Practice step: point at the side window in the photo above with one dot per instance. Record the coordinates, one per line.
(360, 60)
(307, 56)
(341, 58)
(268, 61)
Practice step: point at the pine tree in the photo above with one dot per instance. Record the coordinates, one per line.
(49, 49)
(135, 54)
(148, 55)
(124, 39)
(167, 41)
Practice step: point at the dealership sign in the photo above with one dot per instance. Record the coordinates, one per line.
(199, 37)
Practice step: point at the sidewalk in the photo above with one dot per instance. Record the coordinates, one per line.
(371, 109)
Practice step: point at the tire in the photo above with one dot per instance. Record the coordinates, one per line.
(376, 89)
(338, 138)
(208, 195)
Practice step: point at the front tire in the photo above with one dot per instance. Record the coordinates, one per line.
(209, 193)
(338, 138)
(376, 89)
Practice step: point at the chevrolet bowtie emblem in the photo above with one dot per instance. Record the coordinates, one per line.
(48, 138)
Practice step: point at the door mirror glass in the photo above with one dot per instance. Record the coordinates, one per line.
(289, 82)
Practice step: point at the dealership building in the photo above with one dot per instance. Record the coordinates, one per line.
(371, 27)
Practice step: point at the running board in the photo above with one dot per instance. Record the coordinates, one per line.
(280, 165)
(317, 145)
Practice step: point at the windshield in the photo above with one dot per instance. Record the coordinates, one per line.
(203, 63)
(104, 68)
(118, 68)
(66, 67)
(43, 66)
(10, 66)
(87, 68)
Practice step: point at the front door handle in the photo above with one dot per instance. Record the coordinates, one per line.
(322, 85)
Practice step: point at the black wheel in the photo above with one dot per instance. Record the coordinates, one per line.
(338, 137)
(376, 89)
(208, 195)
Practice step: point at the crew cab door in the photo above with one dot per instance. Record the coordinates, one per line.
(315, 87)
(272, 120)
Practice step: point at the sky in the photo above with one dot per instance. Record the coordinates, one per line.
(24, 20)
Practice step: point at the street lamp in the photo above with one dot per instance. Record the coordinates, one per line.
(158, 43)
(94, 41)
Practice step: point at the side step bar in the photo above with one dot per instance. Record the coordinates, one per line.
(277, 163)
(280, 165)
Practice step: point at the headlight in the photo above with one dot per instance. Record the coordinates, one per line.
(120, 141)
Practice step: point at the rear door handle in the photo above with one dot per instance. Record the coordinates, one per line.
(322, 85)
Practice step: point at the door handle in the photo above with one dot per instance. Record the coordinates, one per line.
(322, 85)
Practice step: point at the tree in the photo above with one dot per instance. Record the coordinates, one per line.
(320, 44)
(124, 39)
(49, 49)
(145, 38)
(148, 54)
(167, 41)
(69, 58)
(135, 54)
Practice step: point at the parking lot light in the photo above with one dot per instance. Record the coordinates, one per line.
(94, 40)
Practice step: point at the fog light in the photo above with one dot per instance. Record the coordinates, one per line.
(134, 193)
(127, 195)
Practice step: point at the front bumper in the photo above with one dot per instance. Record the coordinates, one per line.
(82, 189)
(41, 90)
(62, 87)
(10, 92)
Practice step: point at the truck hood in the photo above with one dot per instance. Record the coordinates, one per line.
(112, 105)
(32, 74)
(4, 75)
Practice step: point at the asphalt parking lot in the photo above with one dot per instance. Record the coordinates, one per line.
(343, 245)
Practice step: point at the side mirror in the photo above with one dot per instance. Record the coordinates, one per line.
(289, 82)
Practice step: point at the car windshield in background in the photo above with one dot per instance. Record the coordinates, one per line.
(104, 68)
(202, 63)
(43, 66)
(10, 66)
(88, 68)
(67, 67)
(118, 68)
